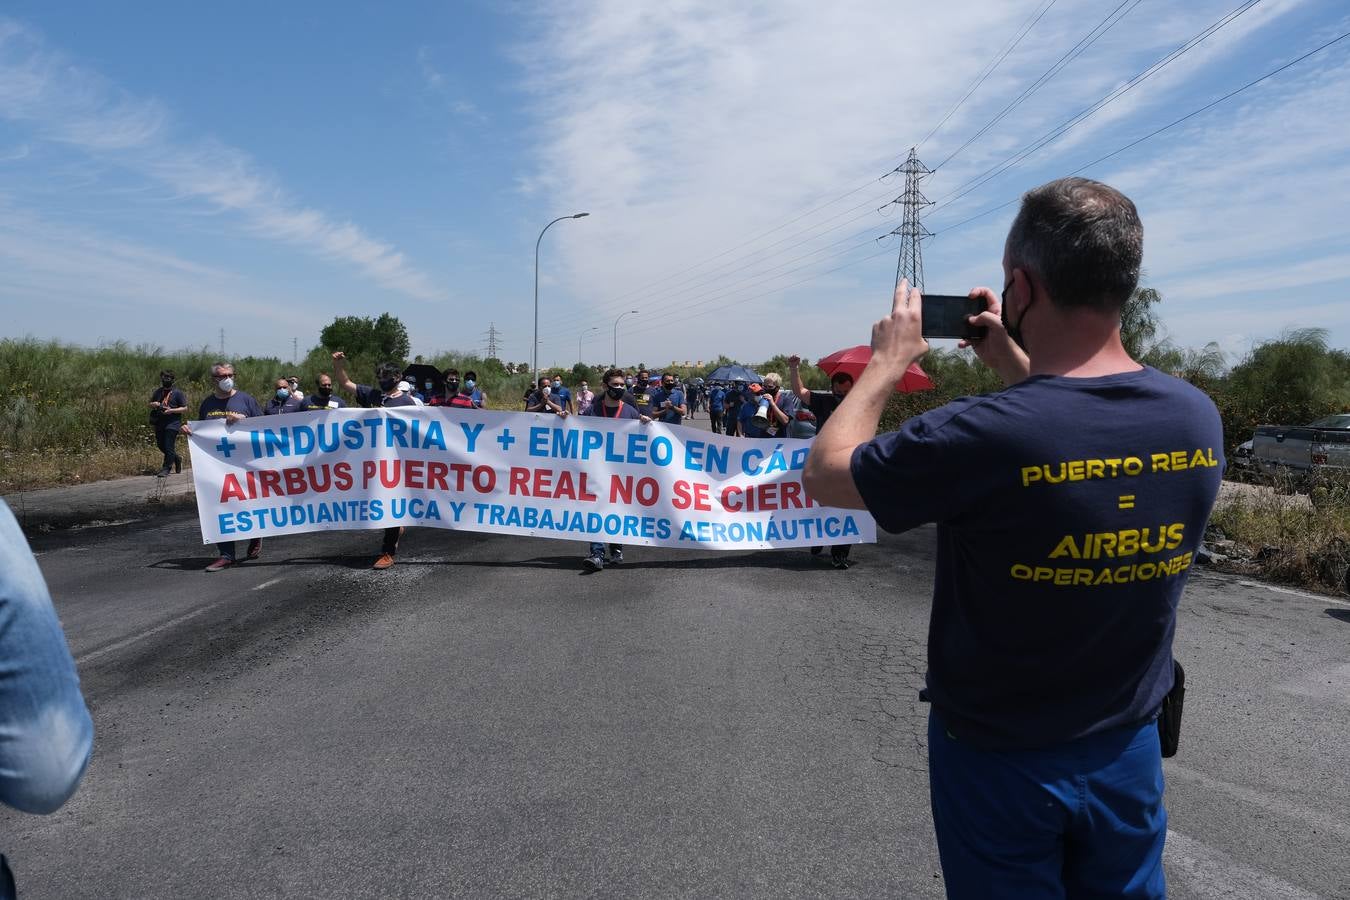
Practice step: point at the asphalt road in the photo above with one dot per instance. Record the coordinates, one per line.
(485, 720)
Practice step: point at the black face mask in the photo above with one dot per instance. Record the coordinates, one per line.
(615, 393)
(1014, 331)
(771, 391)
(167, 382)
(387, 384)
(452, 385)
(325, 390)
(668, 387)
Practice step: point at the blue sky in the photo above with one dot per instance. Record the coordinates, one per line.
(169, 169)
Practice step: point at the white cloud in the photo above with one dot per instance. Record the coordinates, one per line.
(687, 128)
(64, 103)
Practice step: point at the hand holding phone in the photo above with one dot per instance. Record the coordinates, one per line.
(946, 316)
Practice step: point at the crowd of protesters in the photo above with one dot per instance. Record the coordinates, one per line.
(762, 408)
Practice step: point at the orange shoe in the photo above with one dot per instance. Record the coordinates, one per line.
(386, 561)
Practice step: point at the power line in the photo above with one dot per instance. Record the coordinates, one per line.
(702, 281)
(1074, 121)
(624, 299)
(722, 294)
(1100, 29)
(1069, 56)
(1123, 149)
(1170, 125)
(989, 69)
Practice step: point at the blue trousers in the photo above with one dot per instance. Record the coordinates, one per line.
(1082, 819)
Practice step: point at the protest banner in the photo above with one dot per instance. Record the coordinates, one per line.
(576, 478)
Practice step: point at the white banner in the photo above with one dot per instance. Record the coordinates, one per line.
(580, 478)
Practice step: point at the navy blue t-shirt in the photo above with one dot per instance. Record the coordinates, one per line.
(214, 407)
(1068, 514)
(172, 398)
(822, 405)
(626, 409)
(372, 396)
(676, 397)
(318, 401)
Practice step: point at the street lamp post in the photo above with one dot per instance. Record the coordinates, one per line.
(616, 336)
(582, 335)
(534, 359)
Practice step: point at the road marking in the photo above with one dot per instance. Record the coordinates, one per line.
(1304, 594)
(125, 642)
(267, 584)
(1252, 797)
(1210, 873)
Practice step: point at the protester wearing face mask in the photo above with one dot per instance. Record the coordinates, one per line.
(1049, 668)
(386, 392)
(543, 400)
(822, 404)
(735, 399)
(668, 403)
(283, 400)
(782, 406)
(167, 405)
(615, 403)
(475, 393)
(563, 394)
(458, 393)
(585, 399)
(717, 401)
(323, 396)
(232, 405)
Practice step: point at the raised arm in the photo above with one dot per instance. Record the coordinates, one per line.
(794, 371)
(340, 376)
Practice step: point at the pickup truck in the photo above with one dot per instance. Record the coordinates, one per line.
(1303, 451)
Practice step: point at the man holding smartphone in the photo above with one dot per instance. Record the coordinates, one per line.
(1069, 507)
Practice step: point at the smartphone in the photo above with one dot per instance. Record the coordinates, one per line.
(944, 316)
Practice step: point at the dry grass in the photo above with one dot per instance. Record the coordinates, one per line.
(1274, 534)
(34, 470)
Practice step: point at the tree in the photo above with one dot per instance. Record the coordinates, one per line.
(1139, 322)
(376, 340)
(1293, 380)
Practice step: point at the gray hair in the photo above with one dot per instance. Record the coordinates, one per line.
(222, 365)
(1082, 239)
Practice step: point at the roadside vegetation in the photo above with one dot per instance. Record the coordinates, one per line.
(73, 414)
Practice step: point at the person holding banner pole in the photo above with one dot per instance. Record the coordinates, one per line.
(387, 377)
(232, 405)
(616, 403)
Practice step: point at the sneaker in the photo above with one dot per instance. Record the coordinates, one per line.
(839, 562)
(386, 561)
(616, 555)
(815, 551)
(594, 563)
(255, 548)
(223, 562)
(162, 473)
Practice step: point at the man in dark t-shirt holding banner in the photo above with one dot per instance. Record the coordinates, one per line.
(233, 405)
(614, 403)
(1069, 510)
(385, 393)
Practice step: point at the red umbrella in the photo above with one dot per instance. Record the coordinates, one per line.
(855, 359)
